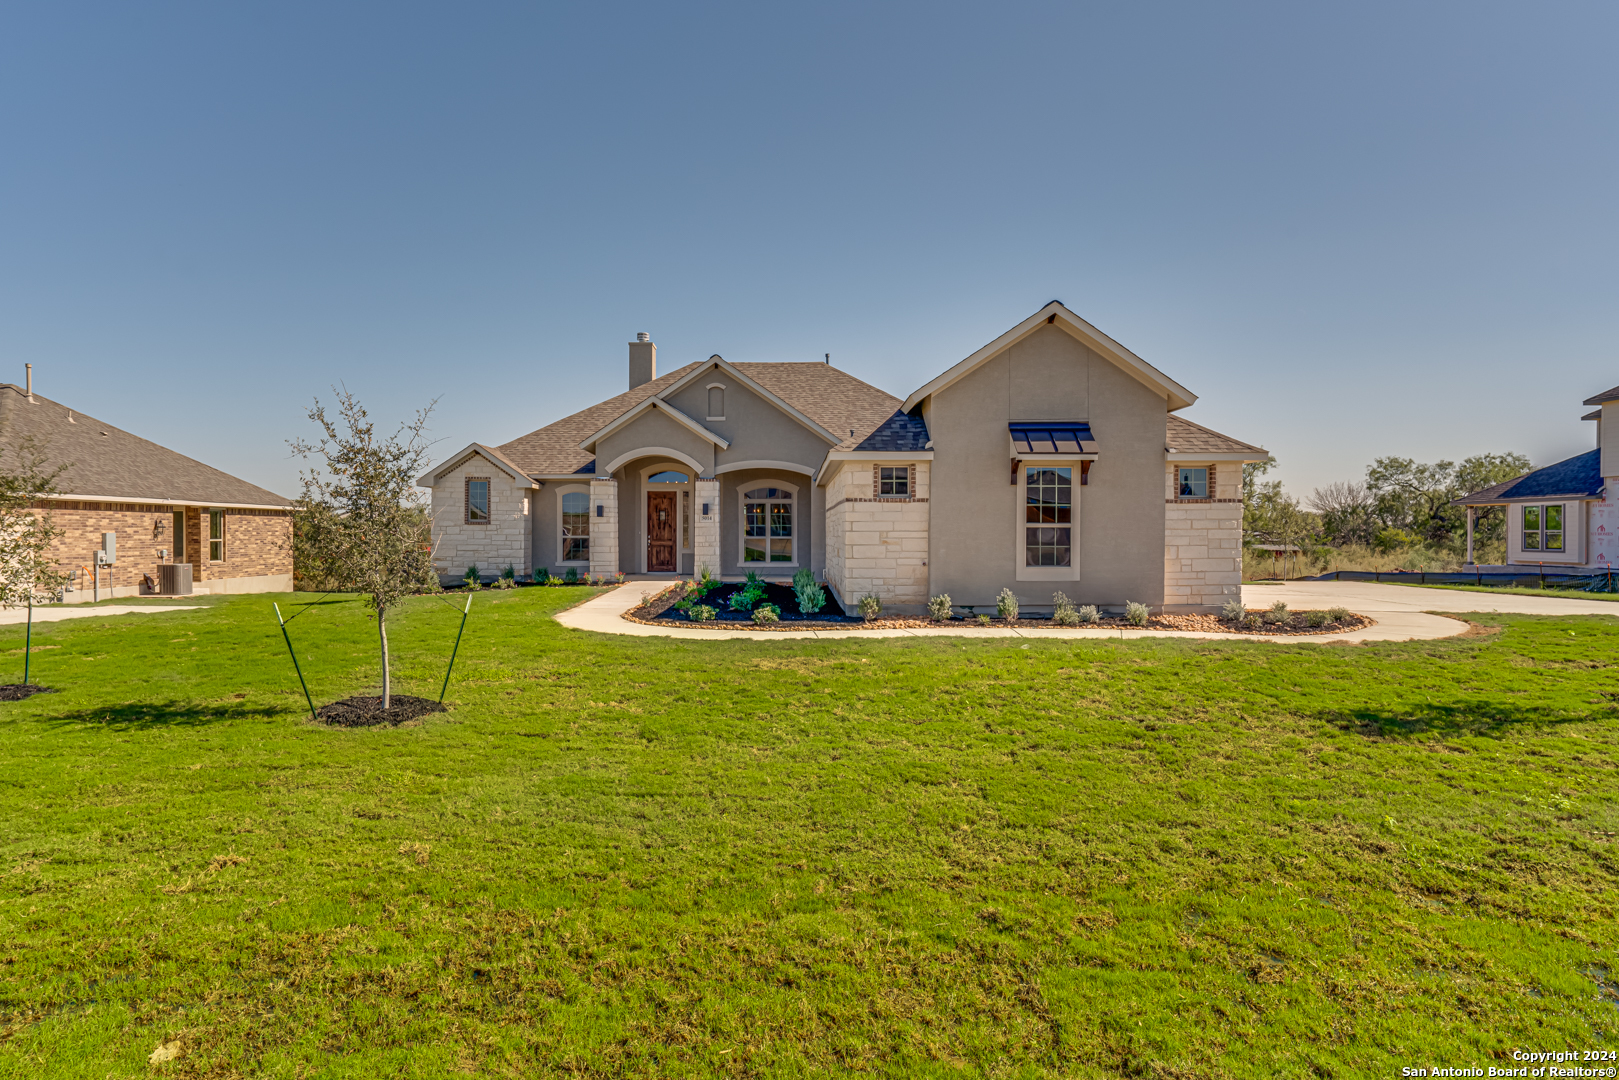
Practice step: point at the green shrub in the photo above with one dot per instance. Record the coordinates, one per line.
(1089, 614)
(1232, 610)
(1277, 614)
(1252, 620)
(472, 579)
(983, 620)
(746, 597)
(571, 576)
(1393, 540)
(811, 594)
(939, 607)
(766, 613)
(504, 582)
(542, 577)
(870, 606)
(1338, 614)
(702, 613)
(510, 573)
(1136, 614)
(1006, 605)
(1315, 619)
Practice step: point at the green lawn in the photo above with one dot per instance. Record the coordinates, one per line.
(916, 857)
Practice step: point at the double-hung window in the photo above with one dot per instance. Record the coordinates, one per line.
(575, 526)
(216, 536)
(1048, 516)
(767, 525)
(1543, 528)
(894, 481)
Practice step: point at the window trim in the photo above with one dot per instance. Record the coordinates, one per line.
(1019, 554)
(742, 522)
(1540, 534)
(224, 549)
(466, 500)
(722, 388)
(561, 538)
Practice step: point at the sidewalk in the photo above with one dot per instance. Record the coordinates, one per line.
(56, 613)
(604, 615)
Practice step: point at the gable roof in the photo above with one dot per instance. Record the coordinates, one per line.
(829, 398)
(1056, 314)
(108, 463)
(495, 457)
(719, 363)
(648, 404)
(1184, 437)
(1578, 477)
(901, 433)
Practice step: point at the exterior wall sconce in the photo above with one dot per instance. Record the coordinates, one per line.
(601, 511)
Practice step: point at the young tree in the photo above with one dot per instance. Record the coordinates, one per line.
(362, 526)
(26, 534)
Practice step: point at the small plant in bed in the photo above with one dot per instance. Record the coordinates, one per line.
(736, 602)
(766, 613)
(811, 595)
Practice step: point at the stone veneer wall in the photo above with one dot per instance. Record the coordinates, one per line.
(258, 547)
(878, 545)
(1203, 540)
(504, 541)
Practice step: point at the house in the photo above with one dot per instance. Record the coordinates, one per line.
(1049, 460)
(160, 507)
(1565, 515)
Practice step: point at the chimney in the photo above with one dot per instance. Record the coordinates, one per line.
(643, 360)
(29, 382)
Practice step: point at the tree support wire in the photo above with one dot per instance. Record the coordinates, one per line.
(445, 688)
(293, 653)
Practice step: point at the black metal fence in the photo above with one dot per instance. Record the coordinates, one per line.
(1601, 581)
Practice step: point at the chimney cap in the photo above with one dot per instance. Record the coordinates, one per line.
(643, 336)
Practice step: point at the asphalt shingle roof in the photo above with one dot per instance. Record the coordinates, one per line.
(1184, 437)
(110, 462)
(1577, 477)
(900, 433)
(834, 399)
(1606, 395)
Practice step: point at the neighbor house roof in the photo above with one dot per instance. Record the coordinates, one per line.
(1185, 437)
(1606, 395)
(107, 463)
(832, 399)
(1577, 478)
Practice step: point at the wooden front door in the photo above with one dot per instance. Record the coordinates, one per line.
(660, 532)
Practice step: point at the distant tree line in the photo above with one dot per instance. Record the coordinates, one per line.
(1400, 504)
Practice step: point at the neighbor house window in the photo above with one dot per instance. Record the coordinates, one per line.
(767, 525)
(576, 526)
(716, 403)
(477, 502)
(216, 536)
(1048, 516)
(1543, 528)
(894, 481)
(1194, 484)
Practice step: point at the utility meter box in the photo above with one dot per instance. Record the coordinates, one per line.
(109, 549)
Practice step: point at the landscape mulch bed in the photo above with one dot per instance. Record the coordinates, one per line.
(659, 610)
(368, 711)
(18, 691)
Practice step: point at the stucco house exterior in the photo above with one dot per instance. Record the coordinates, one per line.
(1565, 515)
(1050, 459)
(158, 505)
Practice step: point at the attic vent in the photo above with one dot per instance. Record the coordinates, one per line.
(103, 434)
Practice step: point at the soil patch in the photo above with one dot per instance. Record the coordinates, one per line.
(368, 711)
(18, 691)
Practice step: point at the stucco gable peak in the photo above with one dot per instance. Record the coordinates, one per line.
(1057, 314)
(731, 371)
(657, 403)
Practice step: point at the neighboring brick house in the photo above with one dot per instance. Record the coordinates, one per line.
(1039, 463)
(163, 507)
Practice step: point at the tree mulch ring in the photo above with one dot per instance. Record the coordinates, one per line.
(18, 691)
(368, 711)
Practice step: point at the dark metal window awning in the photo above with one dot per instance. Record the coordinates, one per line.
(1052, 437)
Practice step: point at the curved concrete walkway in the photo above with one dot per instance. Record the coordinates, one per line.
(604, 615)
(58, 612)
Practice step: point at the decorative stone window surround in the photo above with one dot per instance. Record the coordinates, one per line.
(876, 485)
(466, 500)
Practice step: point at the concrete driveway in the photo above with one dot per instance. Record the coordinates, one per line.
(1371, 598)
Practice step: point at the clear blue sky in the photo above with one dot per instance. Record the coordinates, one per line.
(1354, 230)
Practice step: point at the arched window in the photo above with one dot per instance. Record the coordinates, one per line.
(767, 525)
(668, 476)
(575, 519)
(716, 403)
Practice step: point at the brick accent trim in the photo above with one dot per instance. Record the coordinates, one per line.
(891, 499)
(1184, 502)
(466, 500)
